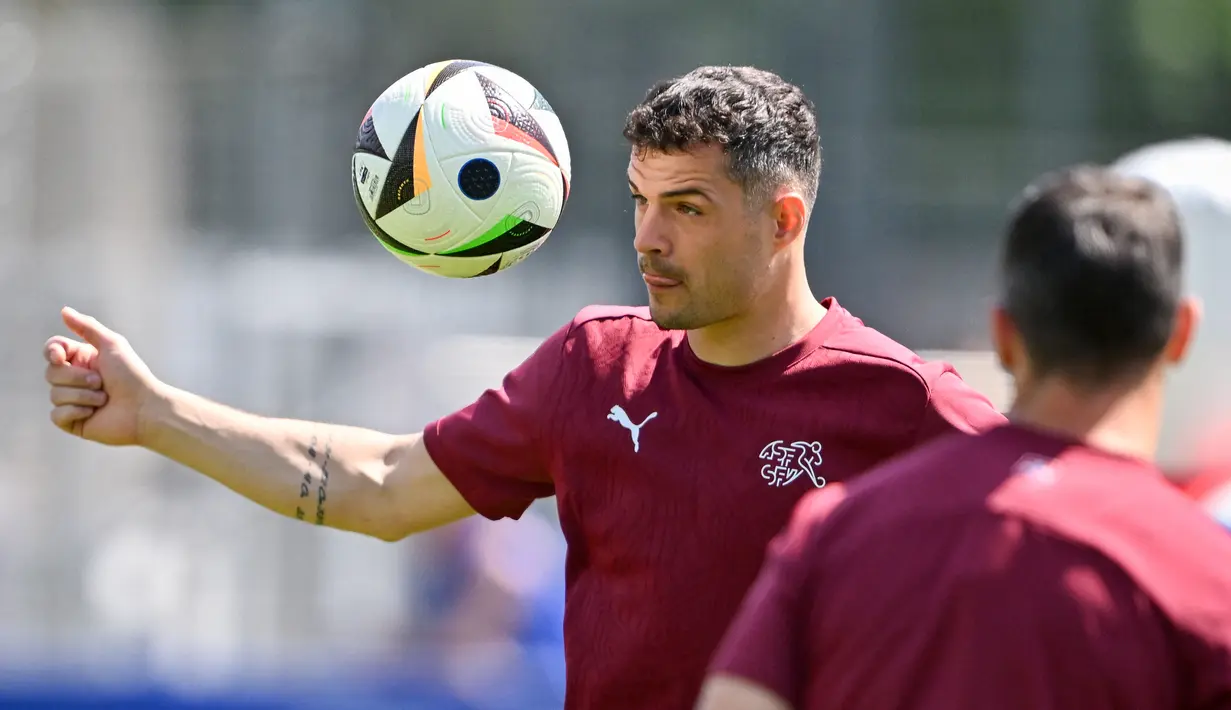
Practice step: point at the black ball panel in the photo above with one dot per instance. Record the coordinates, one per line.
(368, 141)
(479, 179)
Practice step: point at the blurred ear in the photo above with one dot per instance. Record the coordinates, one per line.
(1187, 317)
(790, 214)
(1006, 340)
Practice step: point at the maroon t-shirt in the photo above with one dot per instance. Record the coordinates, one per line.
(1012, 570)
(671, 475)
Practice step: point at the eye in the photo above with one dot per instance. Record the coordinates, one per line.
(638, 199)
(687, 209)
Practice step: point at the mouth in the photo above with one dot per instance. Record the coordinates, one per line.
(655, 281)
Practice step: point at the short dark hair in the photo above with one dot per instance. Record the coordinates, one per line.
(765, 125)
(1092, 273)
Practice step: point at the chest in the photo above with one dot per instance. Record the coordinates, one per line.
(674, 457)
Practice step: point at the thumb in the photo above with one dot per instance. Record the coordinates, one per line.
(87, 328)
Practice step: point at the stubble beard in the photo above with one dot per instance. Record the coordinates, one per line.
(683, 317)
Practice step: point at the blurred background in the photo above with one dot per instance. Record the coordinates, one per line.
(180, 168)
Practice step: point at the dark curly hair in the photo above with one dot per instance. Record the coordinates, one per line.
(765, 125)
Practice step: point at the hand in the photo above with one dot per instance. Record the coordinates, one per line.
(99, 387)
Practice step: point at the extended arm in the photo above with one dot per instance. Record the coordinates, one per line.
(355, 479)
(368, 482)
(382, 485)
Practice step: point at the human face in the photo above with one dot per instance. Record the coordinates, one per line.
(702, 251)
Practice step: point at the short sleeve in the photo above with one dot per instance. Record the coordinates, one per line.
(765, 642)
(954, 406)
(493, 450)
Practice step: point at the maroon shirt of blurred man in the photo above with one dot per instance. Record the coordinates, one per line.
(1046, 564)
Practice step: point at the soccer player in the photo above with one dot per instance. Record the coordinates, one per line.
(676, 439)
(1045, 564)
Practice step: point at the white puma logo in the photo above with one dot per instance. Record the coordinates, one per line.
(619, 416)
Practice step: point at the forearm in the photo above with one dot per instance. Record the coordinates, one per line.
(324, 474)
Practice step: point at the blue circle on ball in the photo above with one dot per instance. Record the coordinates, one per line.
(479, 179)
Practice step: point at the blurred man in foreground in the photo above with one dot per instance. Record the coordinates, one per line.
(1046, 564)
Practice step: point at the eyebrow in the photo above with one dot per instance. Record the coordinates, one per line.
(683, 192)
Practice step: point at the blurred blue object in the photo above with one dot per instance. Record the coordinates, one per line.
(81, 697)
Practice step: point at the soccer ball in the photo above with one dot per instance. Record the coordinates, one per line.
(461, 169)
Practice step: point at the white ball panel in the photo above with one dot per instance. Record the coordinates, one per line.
(455, 267)
(461, 129)
(456, 118)
(535, 191)
(554, 131)
(396, 108)
(459, 122)
(432, 221)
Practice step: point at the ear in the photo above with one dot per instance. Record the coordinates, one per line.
(1006, 340)
(1187, 316)
(790, 214)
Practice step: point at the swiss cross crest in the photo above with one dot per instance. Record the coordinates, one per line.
(787, 462)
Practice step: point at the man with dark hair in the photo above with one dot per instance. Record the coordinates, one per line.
(676, 440)
(1046, 563)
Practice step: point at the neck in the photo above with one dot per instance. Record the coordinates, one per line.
(782, 318)
(1121, 420)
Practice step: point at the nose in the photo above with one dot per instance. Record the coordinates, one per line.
(652, 236)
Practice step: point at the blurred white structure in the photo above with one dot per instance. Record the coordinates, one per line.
(1197, 173)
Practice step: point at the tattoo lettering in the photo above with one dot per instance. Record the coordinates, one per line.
(305, 485)
(320, 492)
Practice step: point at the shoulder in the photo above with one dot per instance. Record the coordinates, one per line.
(811, 512)
(907, 490)
(908, 514)
(862, 344)
(937, 497)
(602, 334)
(613, 317)
(953, 473)
(1021, 507)
(940, 482)
(615, 325)
(1180, 574)
(1074, 504)
(906, 376)
(1173, 550)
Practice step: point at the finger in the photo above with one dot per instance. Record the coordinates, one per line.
(78, 396)
(55, 352)
(72, 376)
(59, 350)
(71, 418)
(88, 328)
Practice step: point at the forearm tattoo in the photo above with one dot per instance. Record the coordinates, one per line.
(309, 489)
